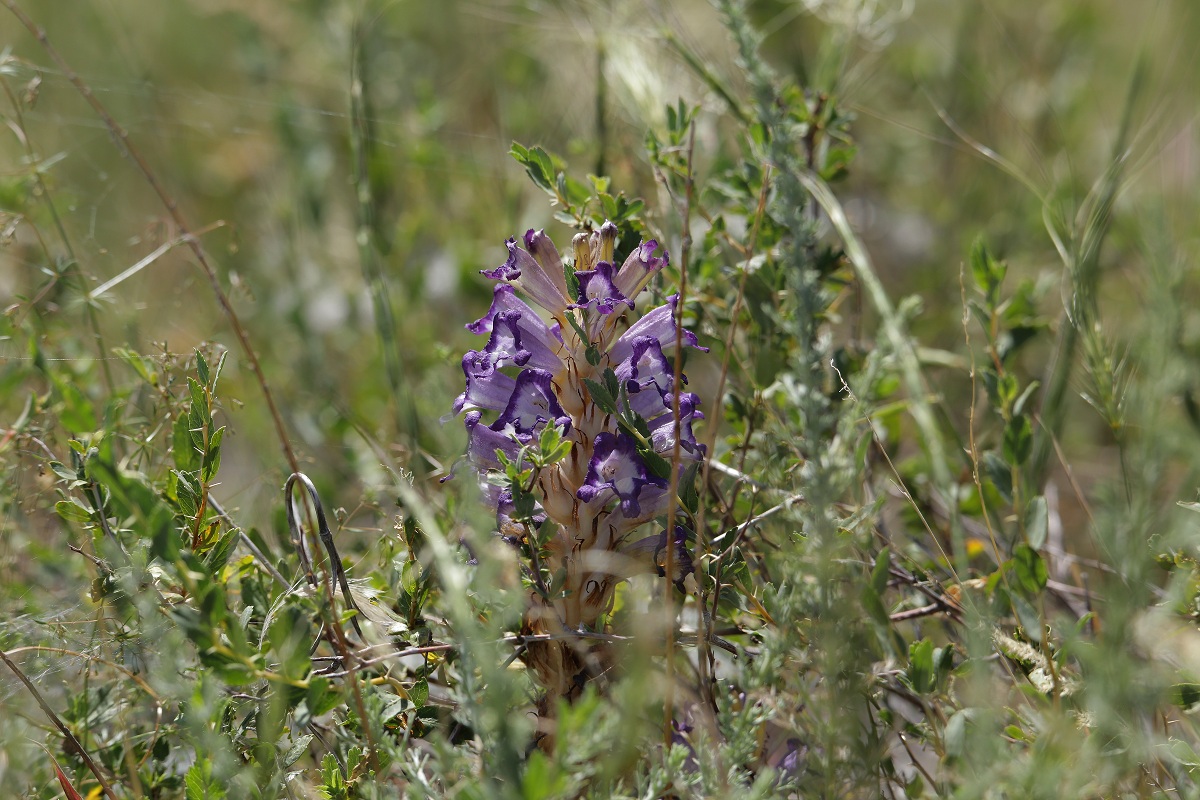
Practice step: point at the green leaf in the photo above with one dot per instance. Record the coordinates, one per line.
(419, 693)
(943, 664)
(601, 396)
(1013, 732)
(63, 471)
(1027, 615)
(218, 555)
(202, 368)
(880, 572)
(921, 674)
(537, 163)
(187, 493)
(1036, 522)
(187, 457)
(1006, 390)
(320, 698)
(1029, 568)
(999, 472)
(1019, 404)
(987, 271)
(140, 364)
(73, 511)
(200, 784)
(216, 375)
(293, 753)
(1185, 695)
(955, 735)
(632, 208)
(540, 159)
(873, 604)
(611, 383)
(656, 463)
(1018, 440)
(76, 412)
(410, 575)
(199, 401)
(212, 458)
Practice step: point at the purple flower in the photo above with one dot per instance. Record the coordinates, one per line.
(546, 254)
(639, 268)
(616, 466)
(486, 388)
(646, 367)
(658, 324)
(597, 290)
(531, 405)
(592, 489)
(483, 442)
(521, 269)
(504, 298)
(662, 428)
(514, 340)
(653, 549)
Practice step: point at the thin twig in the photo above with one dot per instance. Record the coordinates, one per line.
(76, 745)
(685, 248)
(125, 145)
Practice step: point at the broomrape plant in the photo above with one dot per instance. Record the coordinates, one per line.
(577, 456)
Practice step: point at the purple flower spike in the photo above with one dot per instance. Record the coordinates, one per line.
(616, 466)
(597, 290)
(531, 405)
(524, 272)
(639, 268)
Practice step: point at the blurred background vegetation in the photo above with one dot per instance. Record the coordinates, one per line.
(246, 112)
(346, 166)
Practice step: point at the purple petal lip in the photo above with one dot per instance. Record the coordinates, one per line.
(515, 341)
(531, 405)
(597, 290)
(662, 428)
(658, 323)
(653, 549)
(615, 466)
(486, 387)
(504, 298)
(483, 442)
(646, 367)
